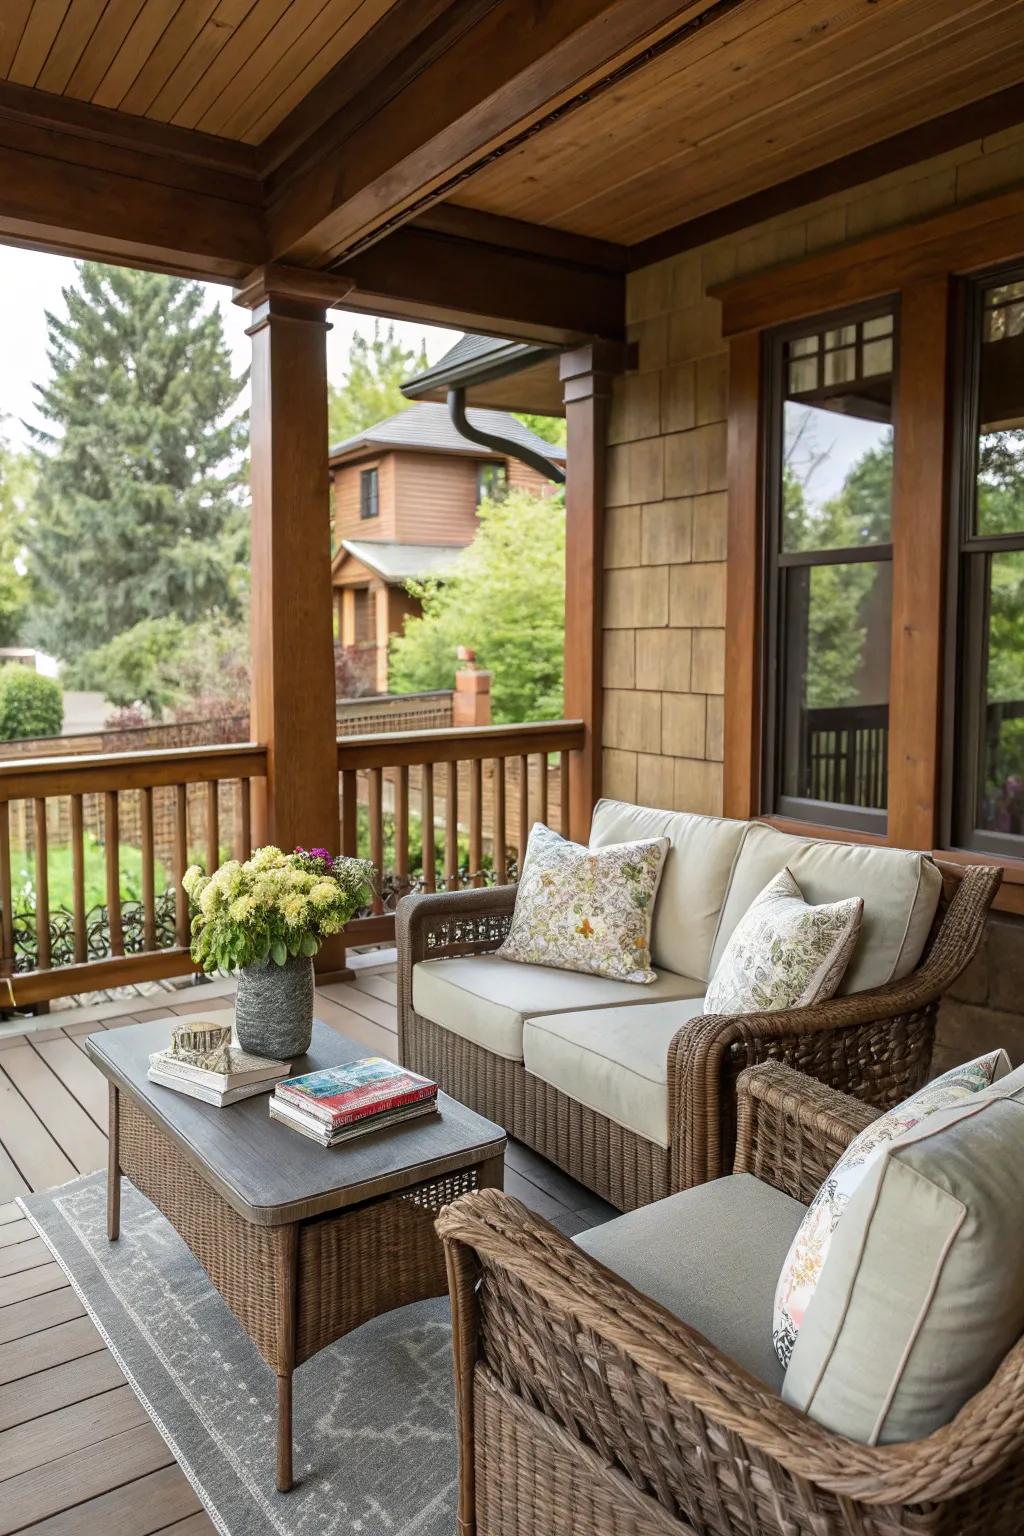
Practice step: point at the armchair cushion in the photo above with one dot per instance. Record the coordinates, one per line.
(614, 1060)
(923, 1292)
(485, 999)
(708, 1255)
(900, 891)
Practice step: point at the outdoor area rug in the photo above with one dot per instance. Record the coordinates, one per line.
(375, 1446)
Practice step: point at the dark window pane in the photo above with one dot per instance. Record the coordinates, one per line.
(1001, 792)
(835, 683)
(837, 438)
(1000, 489)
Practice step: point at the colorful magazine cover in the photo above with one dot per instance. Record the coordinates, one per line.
(370, 1086)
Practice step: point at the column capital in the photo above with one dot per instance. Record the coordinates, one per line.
(299, 292)
(588, 370)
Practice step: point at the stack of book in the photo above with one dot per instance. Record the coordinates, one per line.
(338, 1103)
(246, 1075)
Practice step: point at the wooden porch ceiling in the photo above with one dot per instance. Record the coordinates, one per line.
(498, 164)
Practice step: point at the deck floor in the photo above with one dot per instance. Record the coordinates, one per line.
(78, 1455)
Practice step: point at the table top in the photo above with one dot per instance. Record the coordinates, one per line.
(272, 1175)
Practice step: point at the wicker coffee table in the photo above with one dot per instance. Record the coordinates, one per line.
(304, 1243)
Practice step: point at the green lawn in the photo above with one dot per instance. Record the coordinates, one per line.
(23, 876)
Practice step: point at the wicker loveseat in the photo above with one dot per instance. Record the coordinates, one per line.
(631, 1089)
(587, 1408)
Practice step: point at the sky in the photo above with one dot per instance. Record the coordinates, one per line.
(31, 283)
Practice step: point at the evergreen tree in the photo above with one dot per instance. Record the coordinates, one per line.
(139, 508)
(371, 392)
(16, 480)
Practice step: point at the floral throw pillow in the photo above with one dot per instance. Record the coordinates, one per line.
(784, 953)
(806, 1258)
(586, 909)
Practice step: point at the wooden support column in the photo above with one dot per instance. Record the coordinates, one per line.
(918, 566)
(586, 375)
(292, 710)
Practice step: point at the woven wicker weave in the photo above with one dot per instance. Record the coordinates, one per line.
(875, 1045)
(586, 1409)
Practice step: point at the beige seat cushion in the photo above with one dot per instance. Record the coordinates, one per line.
(708, 1255)
(900, 890)
(485, 999)
(614, 1060)
(922, 1293)
(694, 881)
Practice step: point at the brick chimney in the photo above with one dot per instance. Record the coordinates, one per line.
(471, 703)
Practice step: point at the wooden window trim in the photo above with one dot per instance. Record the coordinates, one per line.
(918, 264)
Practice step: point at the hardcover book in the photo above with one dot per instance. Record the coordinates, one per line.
(243, 1068)
(204, 1091)
(340, 1096)
(297, 1120)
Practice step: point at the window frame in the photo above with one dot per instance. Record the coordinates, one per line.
(369, 503)
(860, 820)
(483, 465)
(968, 584)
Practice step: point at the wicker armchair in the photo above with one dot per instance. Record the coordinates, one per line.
(586, 1409)
(874, 1045)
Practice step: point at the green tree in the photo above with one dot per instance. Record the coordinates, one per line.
(16, 481)
(139, 508)
(30, 704)
(505, 600)
(371, 390)
(550, 428)
(198, 670)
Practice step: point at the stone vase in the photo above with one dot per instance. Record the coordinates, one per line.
(274, 1008)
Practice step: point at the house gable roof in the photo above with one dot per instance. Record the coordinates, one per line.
(428, 427)
(397, 563)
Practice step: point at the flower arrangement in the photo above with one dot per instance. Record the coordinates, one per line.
(274, 907)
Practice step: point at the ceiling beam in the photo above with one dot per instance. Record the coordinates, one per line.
(420, 274)
(96, 184)
(456, 107)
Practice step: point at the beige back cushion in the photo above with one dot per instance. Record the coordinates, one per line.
(900, 891)
(694, 881)
(922, 1293)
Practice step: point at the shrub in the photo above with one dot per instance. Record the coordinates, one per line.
(30, 704)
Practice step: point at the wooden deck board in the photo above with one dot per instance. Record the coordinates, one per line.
(78, 1457)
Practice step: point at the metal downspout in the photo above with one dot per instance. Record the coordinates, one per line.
(504, 445)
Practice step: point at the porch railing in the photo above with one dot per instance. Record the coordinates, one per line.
(76, 821)
(440, 809)
(92, 848)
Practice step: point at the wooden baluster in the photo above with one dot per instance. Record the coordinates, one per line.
(148, 870)
(243, 835)
(524, 811)
(181, 913)
(112, 835)
(476, 822)
(376, 807)
(349, 812)
(451, 828)
(6, 896)
(500, 847)
(542, 775)
(563, 784)
(402, 831)
(427, 819)
(78, 877)
(42, 887)
(212, 826)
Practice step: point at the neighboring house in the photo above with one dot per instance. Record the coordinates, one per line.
(406, 494)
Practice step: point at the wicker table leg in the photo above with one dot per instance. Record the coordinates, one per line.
(287, 1299)
(113, 1171)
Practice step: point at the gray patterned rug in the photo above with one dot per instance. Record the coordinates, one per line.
(375, 1450)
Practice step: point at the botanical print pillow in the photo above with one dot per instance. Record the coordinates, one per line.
(806, 1258)
(784, 953)
(586, 909)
